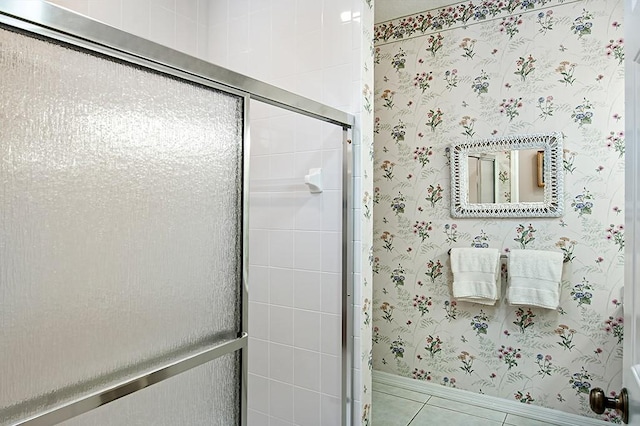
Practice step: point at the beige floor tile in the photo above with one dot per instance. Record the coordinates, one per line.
(390, 410)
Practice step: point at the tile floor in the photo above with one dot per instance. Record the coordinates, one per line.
(393, 406)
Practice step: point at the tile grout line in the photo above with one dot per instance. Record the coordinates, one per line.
(416, 415)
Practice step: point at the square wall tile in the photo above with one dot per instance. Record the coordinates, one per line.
(258, 247)
(281, 249)
(281, 165)
(238, 9)
(308, 134)
(258, 357)
(218, 52)
(283, 128)
(280, 324)
(107, 11)
(306, 407)
(218, 11)
(261, 137)
(281, 286)
(187, 9)
(332, 137)
(309, 250)
(258, 393)
(337, 89)
(203, 12)
(258, 286)
(282, 207)
(331, 293)
(331, 336)
(162, 25)
(167, 4)
(337, 49)
(332, 211)
(307, 290)
(330, 411)
(238, 62)
(330, 380)
(309, 211)
(239, 35)
(259, 320)
(259, 6)
(203, 42)
(281, 363)
(306, 369)
(187, 35)
(332, 253)
(273, 421)
(281, 400)
(306, 329)
(309, 17)
(135, 17)
(307, 56)
(256, 418)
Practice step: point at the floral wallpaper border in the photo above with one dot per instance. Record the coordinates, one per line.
(456, 15)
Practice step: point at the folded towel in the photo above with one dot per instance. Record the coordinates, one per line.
(476, 275)
(534, 278)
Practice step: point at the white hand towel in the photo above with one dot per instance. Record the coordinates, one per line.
(534, 278)
(476, 275)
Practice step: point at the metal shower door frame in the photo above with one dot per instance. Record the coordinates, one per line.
(52, 22)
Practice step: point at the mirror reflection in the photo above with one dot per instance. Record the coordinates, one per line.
(511, 176)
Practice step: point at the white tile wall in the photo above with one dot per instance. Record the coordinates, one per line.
(179, 24)
(293, 225)
(305, 47)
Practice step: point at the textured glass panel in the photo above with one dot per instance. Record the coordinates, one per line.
(120, 213)
(206, 395)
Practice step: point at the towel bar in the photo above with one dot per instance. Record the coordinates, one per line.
(502, 256)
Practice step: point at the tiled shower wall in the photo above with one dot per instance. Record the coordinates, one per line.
(482, 69)
(321, 50)
(180, 24)
(314, 49)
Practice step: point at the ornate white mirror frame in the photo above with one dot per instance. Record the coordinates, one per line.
(551, 169)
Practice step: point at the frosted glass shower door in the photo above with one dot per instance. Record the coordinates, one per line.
(120, 236)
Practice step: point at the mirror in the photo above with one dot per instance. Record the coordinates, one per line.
(515, 176)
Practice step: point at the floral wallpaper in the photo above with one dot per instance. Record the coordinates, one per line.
(365, 205)
(482, 69)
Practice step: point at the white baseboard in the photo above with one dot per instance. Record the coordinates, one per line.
(486, 401)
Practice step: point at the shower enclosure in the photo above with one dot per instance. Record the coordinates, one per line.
(124, 227)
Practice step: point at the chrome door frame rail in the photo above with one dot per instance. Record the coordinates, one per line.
(53, 22)
(94, 400)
